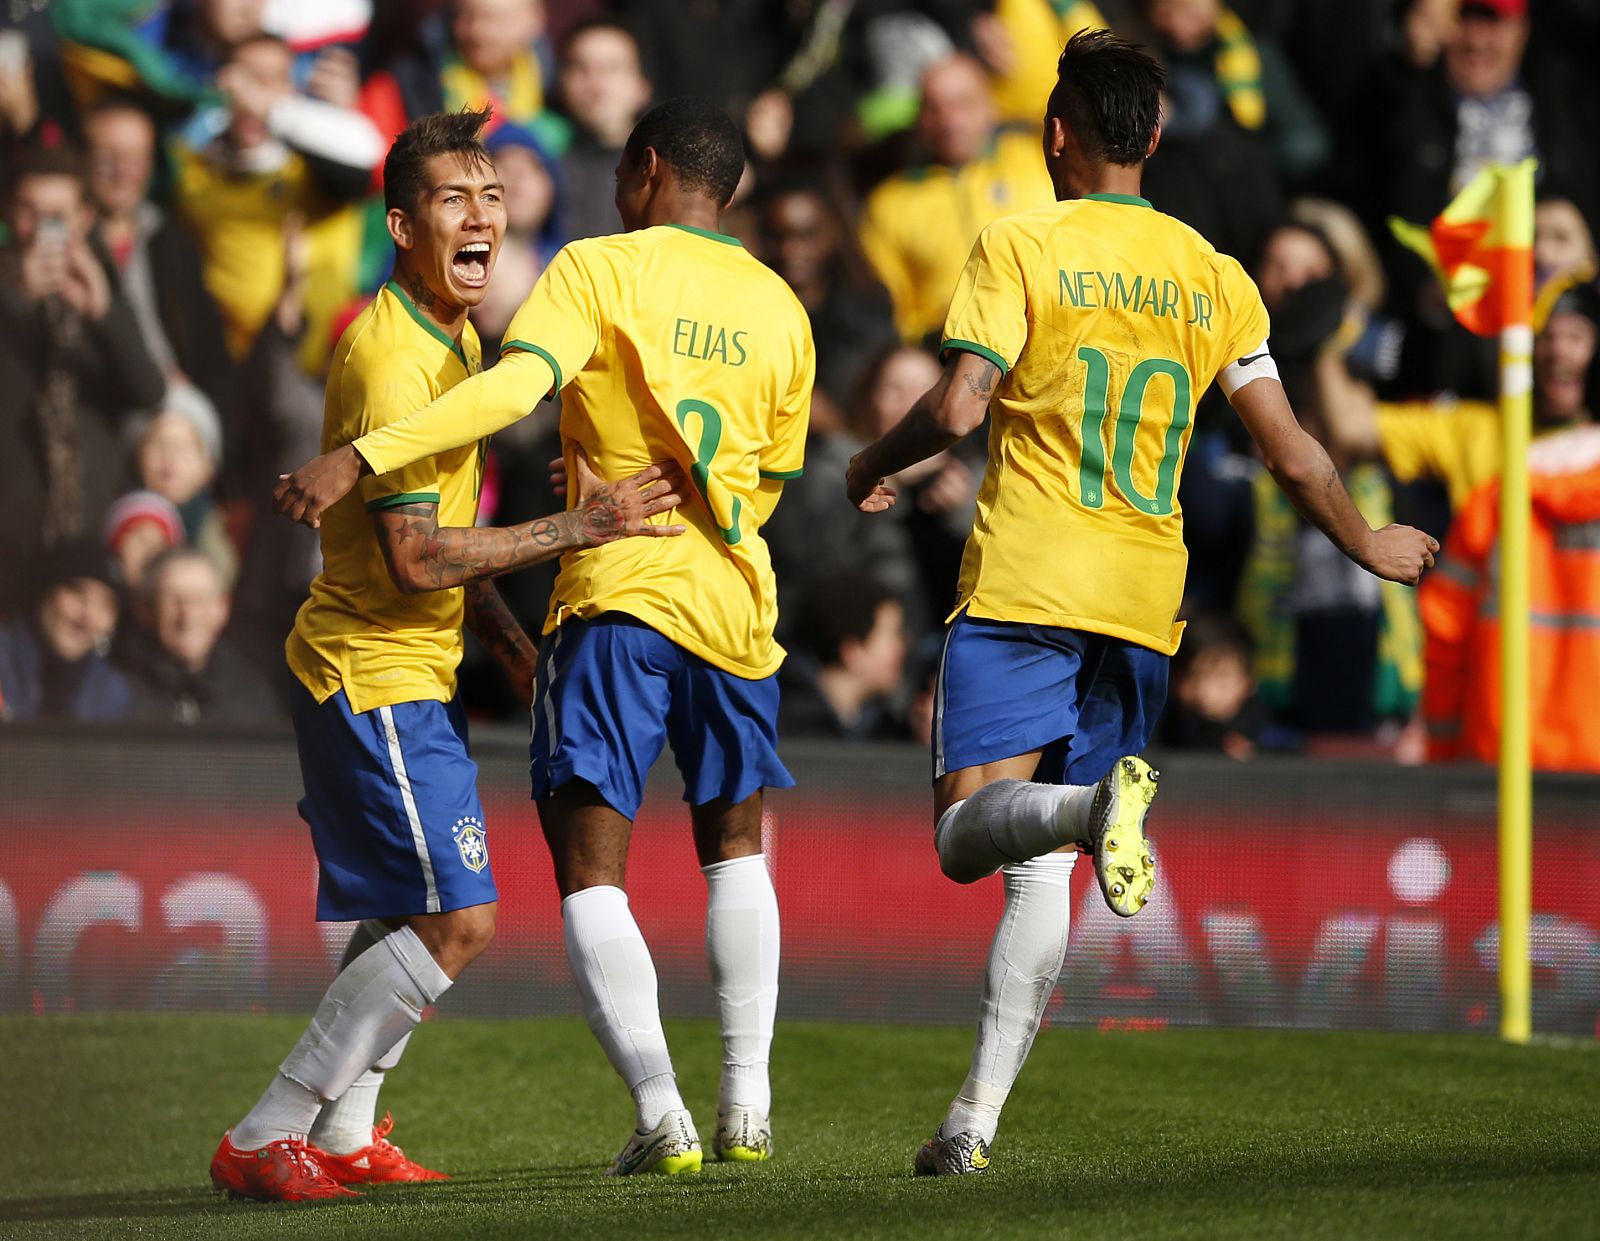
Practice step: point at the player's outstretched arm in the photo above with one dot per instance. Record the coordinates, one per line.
(1302, 468)
(472, 410)
(944, 415)
(422, 555)
(503, 637)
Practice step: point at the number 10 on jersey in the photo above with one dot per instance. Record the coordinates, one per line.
(1130, 410)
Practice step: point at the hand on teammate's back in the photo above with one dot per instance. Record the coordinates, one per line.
(612, 511)
(1398, 554)
(309, 492)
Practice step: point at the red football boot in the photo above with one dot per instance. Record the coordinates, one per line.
(382, 1163)
(285, 1171)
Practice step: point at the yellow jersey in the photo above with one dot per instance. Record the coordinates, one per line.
(1037, 31)
(918, 224)
(1108, 320)
(1455, 442)
(358, 632)
(238, 219)
(668, 343)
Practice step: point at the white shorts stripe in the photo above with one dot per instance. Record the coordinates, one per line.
(938, 708)
(549, 697)
(398, 762)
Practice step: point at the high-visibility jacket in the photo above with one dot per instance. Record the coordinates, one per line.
(1461, 615)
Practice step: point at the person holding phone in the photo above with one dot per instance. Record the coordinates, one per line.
(72, 363)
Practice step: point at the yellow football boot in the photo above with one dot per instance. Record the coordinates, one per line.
(1122, 860)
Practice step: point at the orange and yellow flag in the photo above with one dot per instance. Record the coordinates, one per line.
(1481, 248)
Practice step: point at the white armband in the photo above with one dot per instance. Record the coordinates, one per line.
(1257, 364)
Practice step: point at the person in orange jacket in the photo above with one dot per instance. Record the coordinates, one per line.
(1460, 608)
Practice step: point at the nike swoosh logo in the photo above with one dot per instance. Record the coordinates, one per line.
(1254, 357)
(630, 1164)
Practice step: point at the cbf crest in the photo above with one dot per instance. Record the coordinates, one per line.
(471, 843)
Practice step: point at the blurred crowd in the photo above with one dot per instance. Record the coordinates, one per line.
(193, 213)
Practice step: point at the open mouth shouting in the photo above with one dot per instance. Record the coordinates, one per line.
(470, 266)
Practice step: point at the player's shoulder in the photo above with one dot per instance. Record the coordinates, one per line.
(1225, 268)
(366, 337)
(1034, 222)
(383, 342)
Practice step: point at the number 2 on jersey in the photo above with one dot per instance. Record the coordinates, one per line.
(1092, 468)
(705, 451)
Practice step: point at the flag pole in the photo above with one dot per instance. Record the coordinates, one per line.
(1516, 758)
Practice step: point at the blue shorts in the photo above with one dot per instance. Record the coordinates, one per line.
(392, 800)
(1005, 689)
(612, 691)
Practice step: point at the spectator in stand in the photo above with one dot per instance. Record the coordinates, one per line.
(170, 51)
(918, 226)
(1214, 703)
(72, 366)
(177, 451)
(1370, 341)
(852, 659)
(1327, 292)
(729, 51)
(1461, 702)
(806, 242)
(1336, 651)
(1458, 442)
(479, 52)
(817, 531)
(1020, 41)
(138, 528)
(1431, 126)
(53, 663)
(278, 156)
(154, 257)
(1221, 76)
(604, 92)
(1563, 246)
(938, 497)
(182, 669)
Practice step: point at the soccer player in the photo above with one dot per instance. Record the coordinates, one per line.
(391, 794)
(1087, 331)
(668, 341)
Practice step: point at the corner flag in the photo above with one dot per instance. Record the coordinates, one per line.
(1481, 248)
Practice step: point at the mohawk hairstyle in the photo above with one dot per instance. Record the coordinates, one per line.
(405, 168)
(697, 140)
(1108, 93)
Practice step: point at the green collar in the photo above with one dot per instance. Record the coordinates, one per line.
(706, 232)
(427, 324)
(1127, 200)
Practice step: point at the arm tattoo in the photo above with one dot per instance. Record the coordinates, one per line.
(983, 385)
(423, 556)
(493, 624)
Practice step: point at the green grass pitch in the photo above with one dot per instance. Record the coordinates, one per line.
(110, 1122)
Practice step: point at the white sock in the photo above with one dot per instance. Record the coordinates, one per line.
(375, 1000)
(345, 1125)
(1009, 821)
(1024, 962)
(742, 946)
(617, 981)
